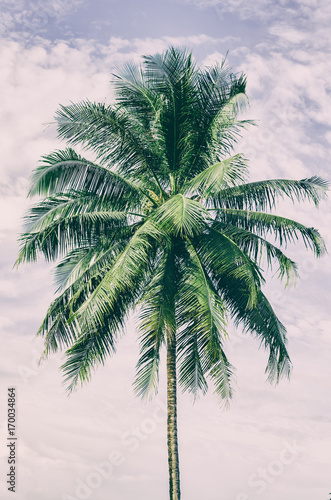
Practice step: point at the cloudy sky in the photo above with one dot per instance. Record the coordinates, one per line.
(102, 442)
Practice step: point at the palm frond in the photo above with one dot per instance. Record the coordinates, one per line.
(133, 92)
(257, 248)
(63, 206)
(201, 322)
(219, 94)
(115, 136)
(260, 319)
(66, 171)
(283, 229)
(171, 75)
(221, 373)
(215, 248)
(263, 195)
(225, 173)
(127, 273)
(181, 216)
(95, 342)
(157, 314)
(96, 322)
(68, 233)
(86, 263)
(78, 275)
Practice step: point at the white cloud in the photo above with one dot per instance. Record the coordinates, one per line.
(215, 57)
(270, 10)
(24, 20)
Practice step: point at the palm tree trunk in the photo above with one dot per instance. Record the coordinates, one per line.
(174, 486)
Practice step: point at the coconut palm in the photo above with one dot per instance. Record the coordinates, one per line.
(164, 221)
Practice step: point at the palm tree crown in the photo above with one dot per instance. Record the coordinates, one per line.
(164, 219)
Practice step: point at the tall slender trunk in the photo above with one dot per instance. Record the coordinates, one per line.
(174, 486)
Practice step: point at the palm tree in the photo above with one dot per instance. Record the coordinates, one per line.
(166, 222)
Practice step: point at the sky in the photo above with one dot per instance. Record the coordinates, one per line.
(103, 442)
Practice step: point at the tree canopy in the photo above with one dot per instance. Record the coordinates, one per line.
(163, 220)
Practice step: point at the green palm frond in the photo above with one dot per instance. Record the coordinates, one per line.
(95, 342)
(202, 322)
(67, 233)
(215, 127)
(221, 373)
(260, 319)
(77, 276)
(216, 248)
(212, 179)
(65, 206)
(155, 316)
(283, 229)
(100, 320)
(57, 333)
(115, 136)
(181, 216)
(83, 264)
(133, 93)
(127, 273)
(66, 171)
(171, 76)
(263, 195)
(258, 248)
(84, 355)
(191, 372)
(73, 265)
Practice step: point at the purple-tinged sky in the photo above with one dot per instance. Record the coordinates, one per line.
(102, 442)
